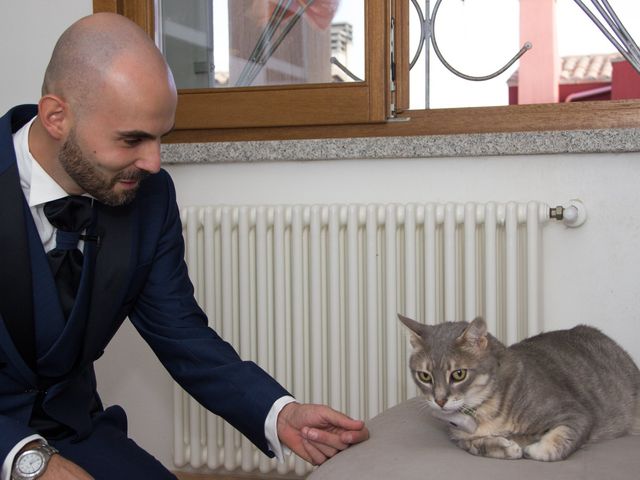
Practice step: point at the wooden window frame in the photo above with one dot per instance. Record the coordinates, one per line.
(282, 105)
(360, 109)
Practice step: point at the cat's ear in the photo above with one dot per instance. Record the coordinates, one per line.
(417, 330)
(475, 335)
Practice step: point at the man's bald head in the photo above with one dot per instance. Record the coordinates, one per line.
(84, 57)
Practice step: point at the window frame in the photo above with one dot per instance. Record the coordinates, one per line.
(282, 105)
(257, 113)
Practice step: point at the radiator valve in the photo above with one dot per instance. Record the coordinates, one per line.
(573, 216)
(557, 213)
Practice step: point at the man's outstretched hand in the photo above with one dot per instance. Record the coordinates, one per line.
(317, 432)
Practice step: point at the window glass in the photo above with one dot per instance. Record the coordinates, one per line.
(478, 37)
(241, 43)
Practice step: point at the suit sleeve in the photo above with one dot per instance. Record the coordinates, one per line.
(12, 432)
(169, 319)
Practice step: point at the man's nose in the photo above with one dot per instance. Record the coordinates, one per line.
(149, 160)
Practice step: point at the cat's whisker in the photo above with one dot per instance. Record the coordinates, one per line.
(425, 407)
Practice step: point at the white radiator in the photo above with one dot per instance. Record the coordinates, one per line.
(311, 294)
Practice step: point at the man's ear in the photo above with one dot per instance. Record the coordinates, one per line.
(55, 116)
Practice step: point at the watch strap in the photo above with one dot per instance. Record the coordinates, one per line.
(47, 449)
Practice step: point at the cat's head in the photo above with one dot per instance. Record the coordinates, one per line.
(453, 363)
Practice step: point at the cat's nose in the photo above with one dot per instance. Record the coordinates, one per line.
(441, 401)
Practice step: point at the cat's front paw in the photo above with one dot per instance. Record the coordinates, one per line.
(542, 452)
(494, 447)
(556, 444)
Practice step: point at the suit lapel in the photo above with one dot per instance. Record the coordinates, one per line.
(111, 274)
(60, 342)
(16, 302)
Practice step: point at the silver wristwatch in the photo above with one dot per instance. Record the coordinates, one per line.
(32, 463)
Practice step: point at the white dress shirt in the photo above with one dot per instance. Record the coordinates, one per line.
(39, 188)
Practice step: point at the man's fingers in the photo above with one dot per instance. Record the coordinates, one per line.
(340, 420)
(326, 450)
(317, 457)
(317, 432)
(323, 437)
(354, 436)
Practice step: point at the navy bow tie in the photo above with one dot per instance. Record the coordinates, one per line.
(71, 216)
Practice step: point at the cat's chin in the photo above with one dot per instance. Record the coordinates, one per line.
(456, 420)
(449, 407)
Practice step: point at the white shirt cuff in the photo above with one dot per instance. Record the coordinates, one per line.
(8, 461)
(271, 428)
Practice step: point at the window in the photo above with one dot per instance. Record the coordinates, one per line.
(355, 109)
(571, 59)
(222, 43)
(279, 105)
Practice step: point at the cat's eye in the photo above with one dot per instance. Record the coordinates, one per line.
(424, 377)
(459, 375)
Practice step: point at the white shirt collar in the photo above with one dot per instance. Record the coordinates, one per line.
(37, 185)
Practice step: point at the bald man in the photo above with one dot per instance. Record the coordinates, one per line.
(80, 172)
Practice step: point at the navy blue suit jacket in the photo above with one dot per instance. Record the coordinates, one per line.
(139, 273)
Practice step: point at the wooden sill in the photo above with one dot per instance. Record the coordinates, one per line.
(448, 121)
(234, 476)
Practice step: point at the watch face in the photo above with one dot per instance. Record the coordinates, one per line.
(30, 463)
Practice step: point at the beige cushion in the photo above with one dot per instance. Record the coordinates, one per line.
(406, 443)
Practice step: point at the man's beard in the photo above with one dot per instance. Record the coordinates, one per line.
(91, 180)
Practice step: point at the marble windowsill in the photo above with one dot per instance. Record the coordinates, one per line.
(519, 143)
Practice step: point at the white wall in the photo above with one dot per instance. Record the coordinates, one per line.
(591, 275)
(28, 32)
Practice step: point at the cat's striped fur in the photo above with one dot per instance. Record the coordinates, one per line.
(542, 398)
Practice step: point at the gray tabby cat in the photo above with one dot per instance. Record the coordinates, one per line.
(542, 398)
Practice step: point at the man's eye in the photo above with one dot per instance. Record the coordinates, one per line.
(132, 142)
